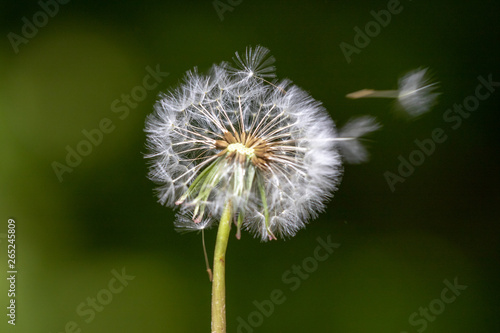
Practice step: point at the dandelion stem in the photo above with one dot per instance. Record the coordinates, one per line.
(218, 284)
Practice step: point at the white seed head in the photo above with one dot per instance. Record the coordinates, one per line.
(232, 136)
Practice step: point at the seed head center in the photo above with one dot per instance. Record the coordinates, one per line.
(241, 149)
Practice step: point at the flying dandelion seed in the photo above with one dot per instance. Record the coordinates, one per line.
(267, 147)
(416, 94)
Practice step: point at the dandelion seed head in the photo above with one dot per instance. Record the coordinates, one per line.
(231, 135)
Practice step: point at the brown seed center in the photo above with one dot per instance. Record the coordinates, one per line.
(243, 145)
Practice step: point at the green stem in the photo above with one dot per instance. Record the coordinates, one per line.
(218, 284)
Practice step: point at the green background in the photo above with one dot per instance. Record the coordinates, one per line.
(397, 247)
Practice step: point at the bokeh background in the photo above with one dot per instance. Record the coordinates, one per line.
(397, 247)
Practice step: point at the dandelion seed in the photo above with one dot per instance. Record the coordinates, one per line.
(352, 149)
(416, 94)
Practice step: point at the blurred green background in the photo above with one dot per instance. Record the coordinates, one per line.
(397, 247)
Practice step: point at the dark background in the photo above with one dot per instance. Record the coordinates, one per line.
(397, 247)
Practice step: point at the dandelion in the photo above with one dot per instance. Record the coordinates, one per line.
(232, 146)
(416, 94)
